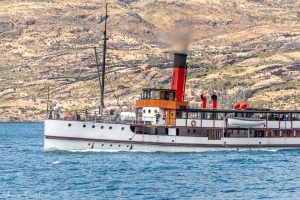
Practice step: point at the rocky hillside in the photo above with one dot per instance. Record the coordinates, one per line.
(243, 49)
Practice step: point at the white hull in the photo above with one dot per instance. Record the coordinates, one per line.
(61, 145)
(90, 136)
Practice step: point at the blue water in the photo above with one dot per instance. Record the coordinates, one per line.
(26, 172)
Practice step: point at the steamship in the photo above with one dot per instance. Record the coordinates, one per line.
(163, 121)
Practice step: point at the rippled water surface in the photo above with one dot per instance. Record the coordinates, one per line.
(26, 172)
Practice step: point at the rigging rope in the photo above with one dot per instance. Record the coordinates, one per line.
(115, 96)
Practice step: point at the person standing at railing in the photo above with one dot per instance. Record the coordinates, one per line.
(164, 119)
(157, 116)
(86, 114)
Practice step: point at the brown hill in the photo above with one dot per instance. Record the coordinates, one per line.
(243, 49)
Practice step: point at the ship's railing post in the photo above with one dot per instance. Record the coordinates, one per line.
(225, 122)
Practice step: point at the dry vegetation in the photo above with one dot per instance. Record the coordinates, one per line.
(243, 49)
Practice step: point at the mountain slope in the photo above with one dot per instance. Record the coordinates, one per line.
(243, 49)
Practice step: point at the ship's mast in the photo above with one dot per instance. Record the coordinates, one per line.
(104, 61)
(102, 79)
(98, 71)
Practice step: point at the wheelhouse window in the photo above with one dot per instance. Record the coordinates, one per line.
(155, 94)
(162, 94)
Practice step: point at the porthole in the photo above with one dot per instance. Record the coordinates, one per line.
(119, 145)
(102, 127)
(122, 128)
(144, 111)
(110, 127)
(155, 111)
(127, 145)
(93, 126)
(84, 126)
(102, 144)
(111, 145)
(69, 125)
(149, 111)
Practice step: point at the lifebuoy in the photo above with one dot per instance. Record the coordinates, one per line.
(193, 123)
(69, 115)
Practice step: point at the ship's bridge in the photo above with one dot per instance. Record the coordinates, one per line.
(159, 106)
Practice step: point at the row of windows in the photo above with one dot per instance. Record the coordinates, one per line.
(221, 116)
(93, 126)
(149, 111)
(112, 145)
(216, 134)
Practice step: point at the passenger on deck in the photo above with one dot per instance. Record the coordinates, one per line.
(164, 119)
(86, 114)
(157, 116)
(171, 97)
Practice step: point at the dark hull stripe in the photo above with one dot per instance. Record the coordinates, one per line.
(176, 144)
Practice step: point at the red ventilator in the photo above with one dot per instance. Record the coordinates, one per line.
(204, 101)
(214, 101)
(236, 106)
(244, 106)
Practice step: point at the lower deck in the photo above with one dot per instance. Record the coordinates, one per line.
(218, 133)
(62, 134)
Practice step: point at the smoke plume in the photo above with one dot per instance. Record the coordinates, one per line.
(179, 37)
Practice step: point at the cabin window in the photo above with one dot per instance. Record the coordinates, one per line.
(192, 132)
(177, 131)
(150, 130)
(295, 133)
(192, 115)
(220, 116)
(183, 115)
(248, 115)
(239, 115)
(162, 131)
(267, 134)
(296, 117)
(285, 117)
(207, 115)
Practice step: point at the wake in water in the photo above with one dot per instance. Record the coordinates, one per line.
(56, 162)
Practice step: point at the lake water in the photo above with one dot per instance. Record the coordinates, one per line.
(27, 172)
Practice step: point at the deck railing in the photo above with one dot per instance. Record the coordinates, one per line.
(116, 119)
